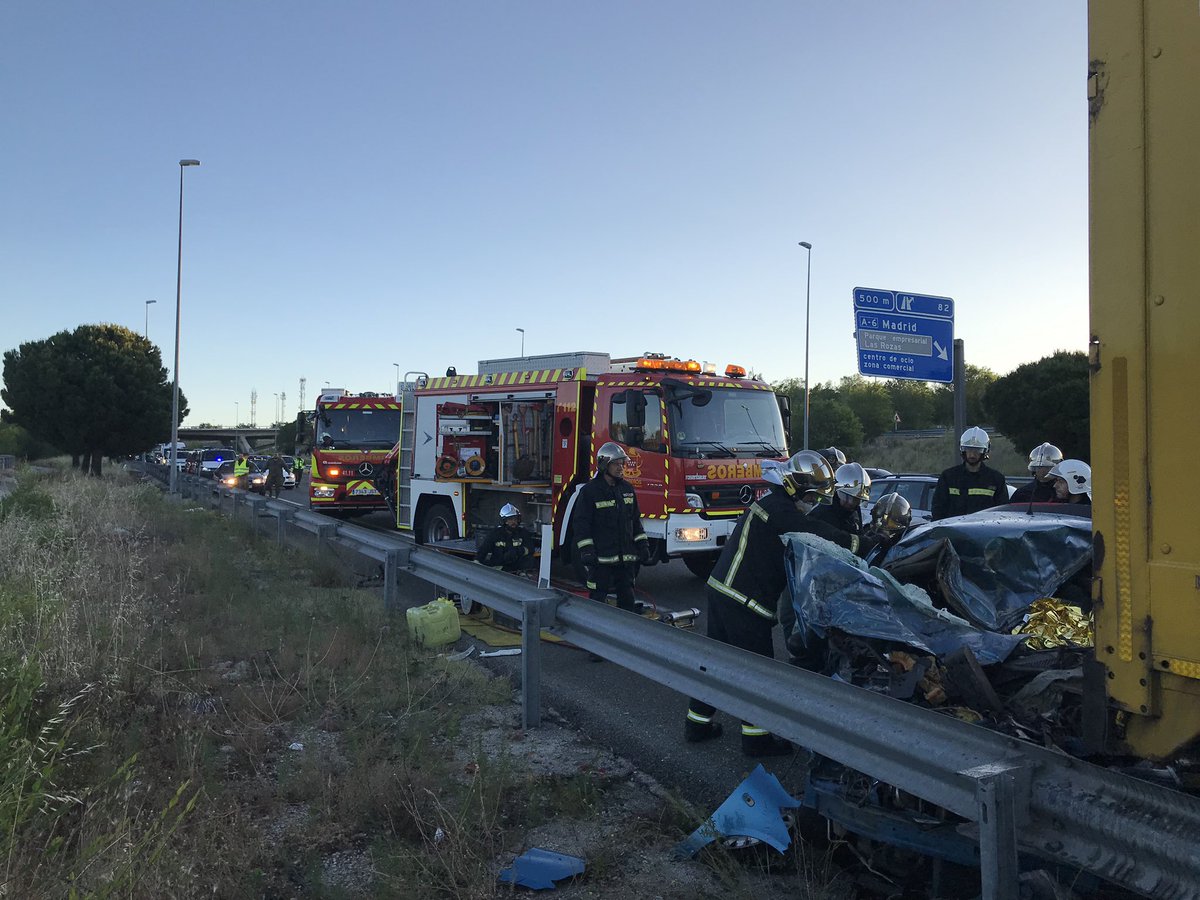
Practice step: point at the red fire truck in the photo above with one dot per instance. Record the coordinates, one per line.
(526, 431)
(351, 434)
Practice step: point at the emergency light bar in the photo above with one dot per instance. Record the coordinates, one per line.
(659, 364)
(733, 371)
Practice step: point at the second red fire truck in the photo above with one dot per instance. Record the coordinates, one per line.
(525, 431)
(351, 435)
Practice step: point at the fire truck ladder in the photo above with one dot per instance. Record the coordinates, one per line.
(408, 436)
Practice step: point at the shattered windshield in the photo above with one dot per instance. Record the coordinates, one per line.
(732, 422)
(357, 429)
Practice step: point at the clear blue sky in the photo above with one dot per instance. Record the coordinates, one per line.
(402, 182)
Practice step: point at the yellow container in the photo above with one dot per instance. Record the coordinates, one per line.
(434, 624)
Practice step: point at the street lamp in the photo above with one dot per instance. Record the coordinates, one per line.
(397, 365)
(522, 330)
(807, 294)
(183, 163)
(278, 410)
(146, 333)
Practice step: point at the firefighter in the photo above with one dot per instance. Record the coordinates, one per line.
(508, 547)
(241, 469)
(835, 457)
(1072, 479)
(274, 476)
(1042, 459)
(971, 485)
(890, 517)
(749, 577)
(298, 467)
(608, 529)
(852, 486)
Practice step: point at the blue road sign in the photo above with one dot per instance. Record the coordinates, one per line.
(904, 335)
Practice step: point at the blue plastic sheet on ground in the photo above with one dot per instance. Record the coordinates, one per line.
(752, 810)
(832, 588)
(539, 869)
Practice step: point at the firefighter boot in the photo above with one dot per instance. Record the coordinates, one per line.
(695, 732)
(765, 744)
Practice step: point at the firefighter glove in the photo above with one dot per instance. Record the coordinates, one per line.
(643, 549)
(587, 555)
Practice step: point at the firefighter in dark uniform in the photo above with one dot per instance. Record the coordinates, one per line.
(852, 486)
(890, 517)
(608, 531)
(508, 547)
(749, 577)
(1042, 459)
(972, 485)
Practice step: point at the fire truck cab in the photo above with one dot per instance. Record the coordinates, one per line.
(526, 430)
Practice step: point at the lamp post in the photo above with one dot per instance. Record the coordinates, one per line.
(397, 365)
(522, 330)
(174, 475)
(278, 410)
(807, 294)
(146, 333)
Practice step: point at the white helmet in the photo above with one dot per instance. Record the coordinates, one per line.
(975, 438)
(610, 452)
(852, 481)
(508, 511)
(1077, 474)
(1043, 456)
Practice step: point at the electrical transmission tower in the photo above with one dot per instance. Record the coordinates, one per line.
(253, 407)
(282, 405)
(302, 381)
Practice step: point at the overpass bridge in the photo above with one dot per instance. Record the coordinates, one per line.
(245, 439)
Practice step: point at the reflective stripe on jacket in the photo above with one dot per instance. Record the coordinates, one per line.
(607, 518)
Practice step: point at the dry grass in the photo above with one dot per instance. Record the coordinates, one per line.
(933, 454)
(158, 667)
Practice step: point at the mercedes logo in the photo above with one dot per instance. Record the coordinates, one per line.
(366, 469)
(746, 494)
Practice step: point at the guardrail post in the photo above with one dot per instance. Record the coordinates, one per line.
(284, 517)
(391, 580)
(325, 532)
(531, 663)
(1003, 795)
(237, 501)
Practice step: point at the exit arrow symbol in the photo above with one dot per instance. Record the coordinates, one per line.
(941, 351)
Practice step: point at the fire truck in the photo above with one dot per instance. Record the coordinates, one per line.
(526, 430)
(351, 435)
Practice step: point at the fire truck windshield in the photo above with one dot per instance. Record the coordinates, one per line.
(357, 429)
(726, 422)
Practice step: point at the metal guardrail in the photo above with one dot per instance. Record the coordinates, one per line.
(1022, 797)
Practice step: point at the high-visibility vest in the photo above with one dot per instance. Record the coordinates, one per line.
(241, 467)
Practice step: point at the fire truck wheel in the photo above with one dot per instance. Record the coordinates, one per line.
(700, 564)
(438, 524)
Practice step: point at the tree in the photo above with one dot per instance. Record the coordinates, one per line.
(832, 423)
(912, 401)
(100, 390)
(1045, 400)
(978, 379)
(870, 402)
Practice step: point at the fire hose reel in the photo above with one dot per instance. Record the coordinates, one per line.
(475, 466)
(447, 466)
